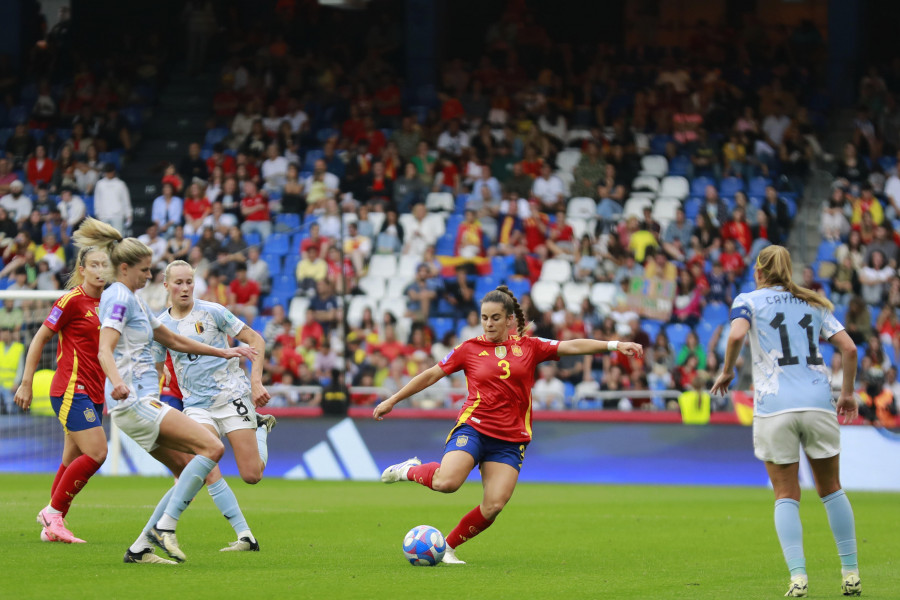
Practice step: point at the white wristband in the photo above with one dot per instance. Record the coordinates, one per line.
(612, 346)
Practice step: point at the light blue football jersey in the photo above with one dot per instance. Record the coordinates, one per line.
(122, 310)
(206, 380)
(789, 373)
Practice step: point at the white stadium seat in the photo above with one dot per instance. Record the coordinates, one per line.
(544, 294)
(581, 207)
(634, 207)
(297, 310)
(603, 295)
(580, 227)
(675, 186)
(557, 270)
(645, 183)
(568, 159)
(396, 287)
(357, 306)
(373, 286)
(383, 265)
(655, 165)
(574, 293)
(407, 268)
(377, 220)
(664, 210)
(440, 201)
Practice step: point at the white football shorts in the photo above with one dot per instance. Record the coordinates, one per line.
(225, 417)
(778, 438)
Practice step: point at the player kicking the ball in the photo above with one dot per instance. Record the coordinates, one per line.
(217, 394)
(494, 426)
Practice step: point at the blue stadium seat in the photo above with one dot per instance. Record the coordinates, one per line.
(698, 185)
(651, 327)
(274, 262)
(485, 284)
(692, 208)
(677, 334)
(705, 331)
(729, 186)
(312, 156)
(441, 325)
(791, 201)
(290, 220)
(502, 266)
(88, 205)
(758, 186)
(252, 238)
(134, 115)
(324, 134)
(271, 300)
(888, 163)
(569, 392)
(215, 135)
(445, 309)
(5, 134)
(111, 157)
(259, 323)
(64, 134)
(658, 144)
(290, 263)
(679, 166)
(284, 287)
(827, 250)
(840, 312)
(445, 246)
(519, 286)
(747, 286)
(461, 200)
(277, 243)
(715, 313)
(18, 114)
(453, 223)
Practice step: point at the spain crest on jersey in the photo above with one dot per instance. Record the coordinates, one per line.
(89, 415)
(198, 326)
(517, 350)
(461, 441)
(500, 351)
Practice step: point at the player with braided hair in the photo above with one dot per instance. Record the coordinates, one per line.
(494, 425)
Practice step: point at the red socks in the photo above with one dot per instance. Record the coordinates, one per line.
(59, 474)
(423, 473)
(471, 525)
(72, 481)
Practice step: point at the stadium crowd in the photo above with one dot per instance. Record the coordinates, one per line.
(324, 184)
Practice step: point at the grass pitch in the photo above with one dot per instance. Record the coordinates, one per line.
(343, 540)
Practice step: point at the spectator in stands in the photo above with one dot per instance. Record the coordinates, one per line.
(407, 137)
(376, 187)
(858, 320)
(255, 212)
(157, 244)
(866, 203)
(219, 221)
(704, 158)
(519, 182)
(167, 209)
(460, 293)
(325, 305)
(16, 203)
(193, 166)
(409, 189)
(71, 207)
(258, 269)
(112, 201)
(874, 277)
(311, 270)
(19, 146)
(851, 167)
(358, 248)
(734, 157)
(676, 238)
(883, 242)
(320, 186)
(714, 207)
(7, 176)
(590, 169)
(421, 295)
(737, 229)
(549, 391)
(11, 368)
(453, 140)
(246, 294)
(549, 189)
(274, 169)
(40, 168)
(196, 208)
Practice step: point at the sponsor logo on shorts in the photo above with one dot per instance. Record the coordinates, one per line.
(89, 415)
(55, 314)
(517, 350)
(500, 351)
(461, 441)
(118, 312)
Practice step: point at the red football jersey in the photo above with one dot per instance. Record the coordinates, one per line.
(500, 378)
(172, 388)
(74, 318)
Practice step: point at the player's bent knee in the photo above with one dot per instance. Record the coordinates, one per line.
(446, 486)
(252, 477)
(99, 455)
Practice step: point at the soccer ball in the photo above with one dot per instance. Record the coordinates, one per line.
(424, 546)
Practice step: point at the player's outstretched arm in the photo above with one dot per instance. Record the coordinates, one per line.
(418, 383)
(179, 343)
(24, 393)
(586, 346)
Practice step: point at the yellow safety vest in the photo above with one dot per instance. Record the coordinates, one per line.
(9, 363)
(694, 407)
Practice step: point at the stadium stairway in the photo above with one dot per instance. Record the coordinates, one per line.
(179, 118)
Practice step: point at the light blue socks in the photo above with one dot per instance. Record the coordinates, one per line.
(790, 534)
(262, 436)
(227, 504)
(840, 518)
(189, 483)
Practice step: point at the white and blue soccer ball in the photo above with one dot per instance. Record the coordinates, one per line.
(424, 546)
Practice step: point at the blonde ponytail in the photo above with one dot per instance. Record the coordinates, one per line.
(774, 268)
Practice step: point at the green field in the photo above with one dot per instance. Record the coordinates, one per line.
(342, 540)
